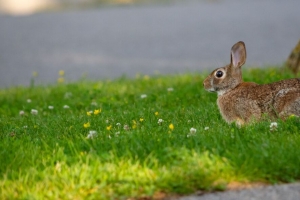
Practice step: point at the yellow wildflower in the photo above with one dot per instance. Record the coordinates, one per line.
(141, 119)
(86, 125)
(96, 112)
(60, 80)
(109, 127)
(89, 113)
(156, 113)
(146, 77)
(171, 127)
(34, 74)
(134, 124)
(61, 72)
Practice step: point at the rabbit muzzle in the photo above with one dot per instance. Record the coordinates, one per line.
(208, 86)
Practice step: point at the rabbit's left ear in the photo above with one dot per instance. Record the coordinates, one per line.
(238, 54)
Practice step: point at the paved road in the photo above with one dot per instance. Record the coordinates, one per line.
(278, 192)
(174, 38)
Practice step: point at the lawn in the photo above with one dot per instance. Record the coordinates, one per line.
(143, 137)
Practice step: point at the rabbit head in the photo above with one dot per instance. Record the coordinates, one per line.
(224, 79)
(243, 102)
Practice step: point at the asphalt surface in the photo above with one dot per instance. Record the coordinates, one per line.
(277, 192)
(172, 38)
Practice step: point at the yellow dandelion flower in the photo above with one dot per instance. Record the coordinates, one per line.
(156, 113)
(34, 74)
(61, 72)
(89, 113)
(134, 124)
(109, 127)
(171, 127)
(141, 119)
(60, 80)
(86, 125)
(96, 112)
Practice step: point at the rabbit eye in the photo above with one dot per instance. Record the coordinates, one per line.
(219, 74)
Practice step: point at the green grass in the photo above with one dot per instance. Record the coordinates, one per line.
(48, 155)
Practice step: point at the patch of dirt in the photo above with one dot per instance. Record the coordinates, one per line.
(241, 186)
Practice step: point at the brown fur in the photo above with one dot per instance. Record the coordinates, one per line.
(243, 102)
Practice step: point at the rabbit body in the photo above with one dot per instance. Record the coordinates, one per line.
(249, 101)
(243, 102)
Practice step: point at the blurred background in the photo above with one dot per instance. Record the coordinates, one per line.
(21, 7)
(101, 39)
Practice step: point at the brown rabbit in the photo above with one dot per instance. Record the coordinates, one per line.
(243, 102)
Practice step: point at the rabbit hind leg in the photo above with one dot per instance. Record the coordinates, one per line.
(290, 104)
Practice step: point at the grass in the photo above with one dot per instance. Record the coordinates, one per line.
(144, 138)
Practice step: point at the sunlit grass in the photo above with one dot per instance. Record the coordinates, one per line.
(140, 137)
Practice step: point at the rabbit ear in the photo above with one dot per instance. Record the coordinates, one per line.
(238, 54)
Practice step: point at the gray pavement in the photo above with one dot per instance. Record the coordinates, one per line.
(172, 38)
(277, 192)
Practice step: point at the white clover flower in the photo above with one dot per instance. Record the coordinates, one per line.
(126, 127)
(94, 103)
(28, 100)
(143, 96)
(34, 112)
(91, 134)
(117, 134)
(66, 107)
(50, 107)
(68, 95)
(160, 121)
(193, 130)
(118, 124)
(21, 112)
(206, 128)
(273, 126)
(170, 89)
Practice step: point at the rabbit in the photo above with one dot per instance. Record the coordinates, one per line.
(246, 102)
